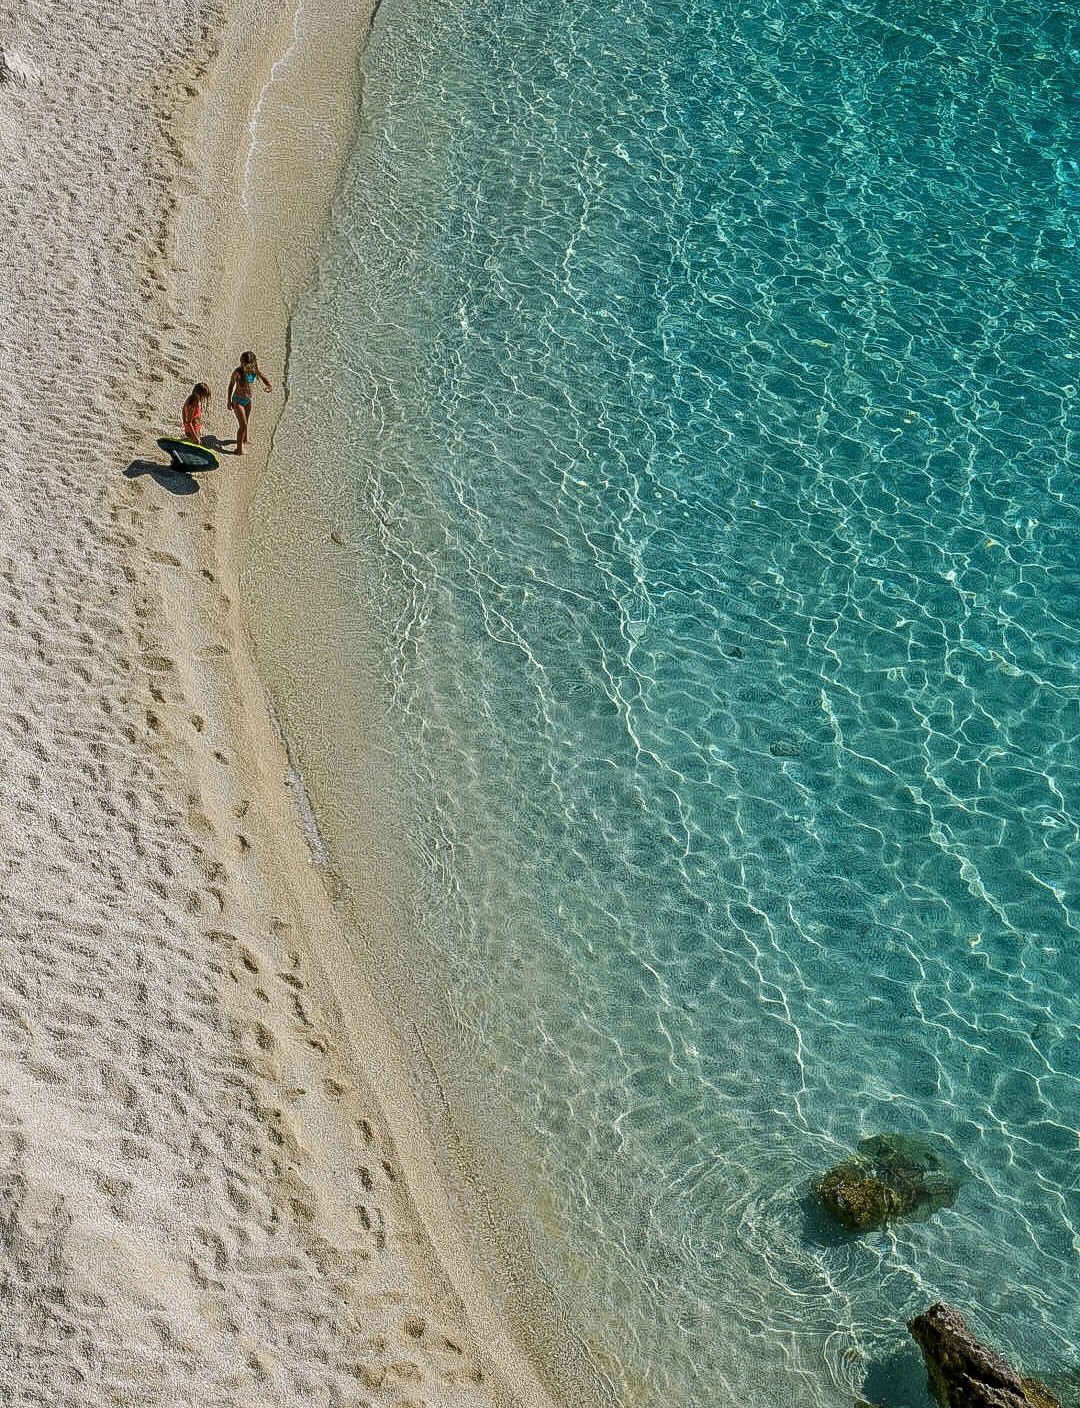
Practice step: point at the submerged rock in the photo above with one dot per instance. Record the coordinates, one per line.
(785, 748)
(891, 1176)
(962, 1372)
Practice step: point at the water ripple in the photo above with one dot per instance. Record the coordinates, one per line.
(703, 383)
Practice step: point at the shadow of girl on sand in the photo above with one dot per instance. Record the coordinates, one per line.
(171, 476)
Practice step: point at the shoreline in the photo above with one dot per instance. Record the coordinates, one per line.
(233, 1199)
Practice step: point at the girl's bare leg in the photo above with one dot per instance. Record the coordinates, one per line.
(241, 427)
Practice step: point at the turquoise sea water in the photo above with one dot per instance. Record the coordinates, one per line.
(690, 394)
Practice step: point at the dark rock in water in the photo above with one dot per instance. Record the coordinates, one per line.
(962, 1372)
(785, 748)
(1037, 1393)
(891, 1176)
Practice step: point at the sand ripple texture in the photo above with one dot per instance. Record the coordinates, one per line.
(198, 1204)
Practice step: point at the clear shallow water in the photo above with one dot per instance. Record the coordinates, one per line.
(691, 394)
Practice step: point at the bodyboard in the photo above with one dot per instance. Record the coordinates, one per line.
(185, 454)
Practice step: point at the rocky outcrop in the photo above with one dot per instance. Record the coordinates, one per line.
(891, 1176)
(962, 1372)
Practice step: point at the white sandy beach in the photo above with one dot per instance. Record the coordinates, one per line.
(214, 1184)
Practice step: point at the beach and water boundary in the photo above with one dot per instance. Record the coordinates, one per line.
(216, 1185)
(189, 1206)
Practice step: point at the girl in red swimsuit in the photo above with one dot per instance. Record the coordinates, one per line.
(240, 388)
(194, 406)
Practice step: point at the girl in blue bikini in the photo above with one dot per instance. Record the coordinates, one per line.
(241, 385)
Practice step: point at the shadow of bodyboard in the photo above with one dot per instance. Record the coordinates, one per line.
(187, 456)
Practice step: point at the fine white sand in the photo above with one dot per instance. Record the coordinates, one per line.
(214, 1185)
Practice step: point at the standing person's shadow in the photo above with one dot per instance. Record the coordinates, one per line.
(176, 481)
